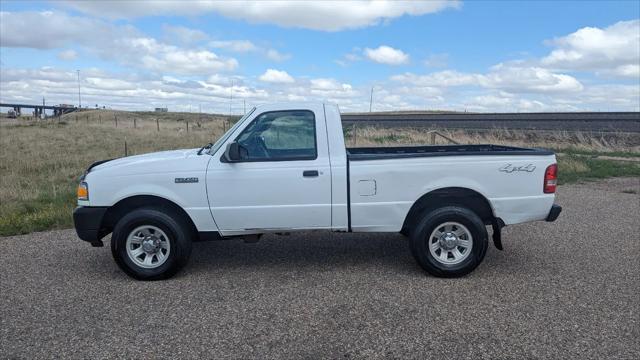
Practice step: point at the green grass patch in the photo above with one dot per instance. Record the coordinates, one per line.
(45, 212)
(574, 168)
(583, 152)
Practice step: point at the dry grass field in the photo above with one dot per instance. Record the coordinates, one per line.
(40, 161)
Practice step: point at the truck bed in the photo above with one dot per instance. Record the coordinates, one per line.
(397, 152)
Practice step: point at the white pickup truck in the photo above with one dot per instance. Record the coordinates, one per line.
(284, 168)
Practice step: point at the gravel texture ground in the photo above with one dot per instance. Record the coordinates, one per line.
(568, 289)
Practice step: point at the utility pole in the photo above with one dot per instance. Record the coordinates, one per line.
(371, 100)
(79, 98)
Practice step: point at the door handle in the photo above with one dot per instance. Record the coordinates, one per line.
(310, 173)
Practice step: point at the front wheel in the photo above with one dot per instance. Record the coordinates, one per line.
(449, 242)
(151, 244)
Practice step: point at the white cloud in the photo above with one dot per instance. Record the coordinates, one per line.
(316, 15)
(122, 44)
(183, 34)
(136, 92)
(68, 55)
(122, 90)
(108, 83)
(512, 77)
(240, 46)
(245, 46)
(387, 55)
(614, 50)
(349, 58)
(330, 88)
(54, 30)
(437, 60)
(275, 55)
(181, 61)
(520, 78)
(276, 76)
(153, 55)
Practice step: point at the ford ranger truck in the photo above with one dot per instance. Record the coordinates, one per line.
(284, 168)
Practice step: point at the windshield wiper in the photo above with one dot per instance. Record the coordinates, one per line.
(206, 147)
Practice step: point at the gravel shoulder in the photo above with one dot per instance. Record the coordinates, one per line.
(568, 289)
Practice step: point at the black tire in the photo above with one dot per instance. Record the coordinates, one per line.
(179, 236)
(419, 241)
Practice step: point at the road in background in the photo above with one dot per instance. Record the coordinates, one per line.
(563, 290)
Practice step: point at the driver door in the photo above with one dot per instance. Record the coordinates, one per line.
(283, 180)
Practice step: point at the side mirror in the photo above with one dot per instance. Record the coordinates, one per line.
(232, 153)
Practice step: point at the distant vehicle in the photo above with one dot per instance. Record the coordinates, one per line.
(164, 109)
(285, 168)
(11, 114)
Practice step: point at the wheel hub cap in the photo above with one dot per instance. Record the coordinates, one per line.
(151, 245)
(448, 241)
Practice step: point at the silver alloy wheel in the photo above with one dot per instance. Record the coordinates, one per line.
(148, 246)
(450, 243)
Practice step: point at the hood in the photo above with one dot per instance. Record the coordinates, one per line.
(145, 161)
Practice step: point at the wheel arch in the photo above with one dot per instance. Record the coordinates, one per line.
(460, 196)
(124, 206)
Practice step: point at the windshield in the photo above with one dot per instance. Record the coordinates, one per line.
(226, 135)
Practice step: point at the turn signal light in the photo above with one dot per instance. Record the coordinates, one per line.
(550, 179)
(83, 191)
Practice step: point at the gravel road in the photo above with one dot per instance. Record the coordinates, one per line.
(568, 289)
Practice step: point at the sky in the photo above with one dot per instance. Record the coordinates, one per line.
(225, 56)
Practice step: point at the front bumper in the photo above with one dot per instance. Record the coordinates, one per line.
(87, 221)
(554, 213)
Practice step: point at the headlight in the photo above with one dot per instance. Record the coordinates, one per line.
(83, 191)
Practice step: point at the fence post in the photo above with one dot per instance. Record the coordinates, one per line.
(433, 138)
(99, 119)
(158, 124)
(87, 119)
(126, 152)
(76, 117)
(135, 125)
(115, 118)
(187, 126)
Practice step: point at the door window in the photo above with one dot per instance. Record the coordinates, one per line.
(278, 136)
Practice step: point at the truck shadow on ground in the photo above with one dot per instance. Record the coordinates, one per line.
(314, 249)
(319, 251)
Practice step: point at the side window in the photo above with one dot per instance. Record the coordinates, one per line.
(280, 135)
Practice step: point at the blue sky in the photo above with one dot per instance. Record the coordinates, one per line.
(473, 55)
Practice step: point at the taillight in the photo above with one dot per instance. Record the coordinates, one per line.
(550, 179)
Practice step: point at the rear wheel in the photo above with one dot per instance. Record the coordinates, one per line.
(449, 242)
(151, 244)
